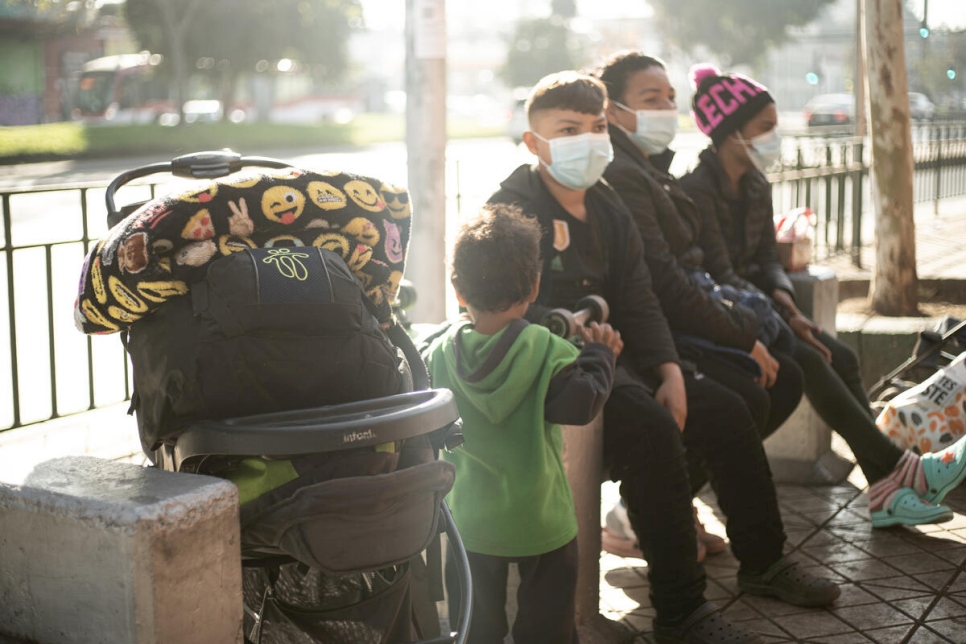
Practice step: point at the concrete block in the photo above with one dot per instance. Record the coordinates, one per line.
(99, 551)
(583, 458)
(800, 451)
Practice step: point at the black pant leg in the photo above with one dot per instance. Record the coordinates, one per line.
(488, 624)
(842, 404)
(720, 430)
(644, 450)
(546, 611)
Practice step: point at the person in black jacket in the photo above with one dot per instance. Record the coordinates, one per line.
(642, 113)
(734, 197)
(658, 407)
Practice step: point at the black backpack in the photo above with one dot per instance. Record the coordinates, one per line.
(268, 329)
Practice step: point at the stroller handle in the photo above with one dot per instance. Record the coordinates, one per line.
(197, 165)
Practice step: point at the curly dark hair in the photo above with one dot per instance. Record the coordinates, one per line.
(496, 258)
(615, 71)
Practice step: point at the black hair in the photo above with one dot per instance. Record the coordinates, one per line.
(496, 258)
(615, 71)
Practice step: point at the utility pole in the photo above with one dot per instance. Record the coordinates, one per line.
(860, 79)
(426, 155)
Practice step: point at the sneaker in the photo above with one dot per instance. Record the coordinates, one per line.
(712, 543)
(617, 537)
(705, 626)
(944, 470)
(787, 581)
(908, 509)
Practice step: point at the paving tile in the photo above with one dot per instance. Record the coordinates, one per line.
(796, 535)
(891, 635)
(833, 553)
(955, 555)
(936, 580)
(872, 616)
(787, 492)
(895, 588)
(845, 638)
(953, 629)
(831, 516)
(924, 635)
(912, 564)
(637, 623)
(854, 595)
(889, 547)
(848, 516)
(865, 570)
(810, 503)
(815, 623)
(958, 584)
(930, 608)
(765, 627)
(715, 592)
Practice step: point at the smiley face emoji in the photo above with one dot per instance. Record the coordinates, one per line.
(397, 201)
(199, 195)
(283, 204)
(363, 231)
(364, 195)
(326, 196)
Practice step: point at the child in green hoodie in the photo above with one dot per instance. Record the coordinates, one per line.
(515, 384)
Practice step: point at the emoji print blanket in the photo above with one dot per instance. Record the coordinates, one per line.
(159, 250)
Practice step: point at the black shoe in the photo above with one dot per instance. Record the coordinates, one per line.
(705, 626)
(787, 581)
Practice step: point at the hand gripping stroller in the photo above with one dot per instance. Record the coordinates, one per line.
(340, 482)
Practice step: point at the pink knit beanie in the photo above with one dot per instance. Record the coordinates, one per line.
(723, 103)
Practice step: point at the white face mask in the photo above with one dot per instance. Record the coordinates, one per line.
(578, 162)
(655, 128)
(763, 150)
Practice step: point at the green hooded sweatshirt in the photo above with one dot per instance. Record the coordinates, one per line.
(511, 497)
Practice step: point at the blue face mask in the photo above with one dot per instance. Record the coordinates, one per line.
(655, 128)
(763, 150)
(578, 162)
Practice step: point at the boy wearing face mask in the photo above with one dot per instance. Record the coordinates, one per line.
(734, 198)
(590, 246)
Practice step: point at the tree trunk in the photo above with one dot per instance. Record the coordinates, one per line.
(894, 286)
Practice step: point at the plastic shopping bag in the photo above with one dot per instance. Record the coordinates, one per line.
(930, 416)
(793, 238)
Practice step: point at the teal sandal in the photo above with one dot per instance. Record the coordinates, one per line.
(908, 509)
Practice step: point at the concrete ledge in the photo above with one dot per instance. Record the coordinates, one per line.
(881, 343)
(99, 551)
(800, 452)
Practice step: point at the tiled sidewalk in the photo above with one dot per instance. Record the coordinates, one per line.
(898, 585)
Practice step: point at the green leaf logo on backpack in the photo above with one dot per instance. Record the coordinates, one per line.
(289, 264)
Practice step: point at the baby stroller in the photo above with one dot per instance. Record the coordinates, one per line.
(933, 350)
(340, 483)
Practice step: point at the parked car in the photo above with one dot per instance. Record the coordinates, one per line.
(830, 109)
(920, 107)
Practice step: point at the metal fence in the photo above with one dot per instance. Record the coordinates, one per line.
(829, 174)
(48, 369)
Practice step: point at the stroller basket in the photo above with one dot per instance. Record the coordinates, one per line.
(346, 548)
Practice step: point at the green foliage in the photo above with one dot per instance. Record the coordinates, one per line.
(539, 47)
(738, 31)
(237, 34)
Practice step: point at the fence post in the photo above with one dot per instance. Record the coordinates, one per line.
(857, 186)
(939, 169)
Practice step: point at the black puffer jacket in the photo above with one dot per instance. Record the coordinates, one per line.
(634, 309)
(670, 224)
(742, 224)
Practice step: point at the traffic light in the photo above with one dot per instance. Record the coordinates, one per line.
(951, 74)
(811, 78)
(923, 30)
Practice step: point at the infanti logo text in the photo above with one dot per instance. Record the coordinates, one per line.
(355, 437)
